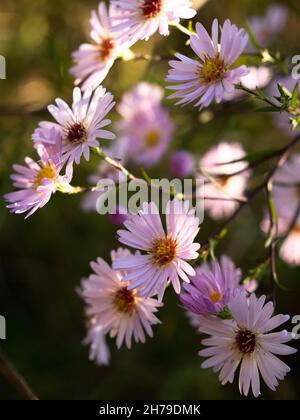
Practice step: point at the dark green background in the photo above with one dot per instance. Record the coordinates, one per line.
(43, 259)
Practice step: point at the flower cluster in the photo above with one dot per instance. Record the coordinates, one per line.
(122, 299)
(239, 328)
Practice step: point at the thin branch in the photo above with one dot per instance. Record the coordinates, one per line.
(8, 370)
(282, 159)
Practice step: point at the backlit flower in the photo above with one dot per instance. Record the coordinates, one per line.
(212, 287)
(228, 181)
(82, 124)
(146, 127)
(116, 309)
(165, 252)
(37, 181)
(247, 341)
(212, 76)
(93, 61)
(142, 18)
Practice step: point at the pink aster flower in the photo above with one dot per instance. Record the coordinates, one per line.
(247, 341)
(146, 127)
(93, 61)
(266, 28)
(80, 125)
(229, 180)
(286, 196)
(166, 253)
(115, 308)
(182, 163)
(37, 181)
(212, 76)
(142, 18)
(212, 288)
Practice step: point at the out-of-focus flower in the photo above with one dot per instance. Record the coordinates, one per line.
(250, 286)
(247, 340)
(93, 61)
(80, 125)
(142, 18)
(286, 196)
(212, 76)
(146, 127)
(212, 288)
(266, 28)
(224, 185)
(38, 180)
(258, 77)
(166, 253)
(182, 163)
(114, 308)
(99, 351)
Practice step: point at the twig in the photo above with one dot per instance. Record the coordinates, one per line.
(282, 159)
(8, 370)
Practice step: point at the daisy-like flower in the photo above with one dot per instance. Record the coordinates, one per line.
(166, 253)
(212, 288)
(213, 75)
(93, 61)
(115, 308)
(227, 182)
(286, 196)
(146, 127)
(247, 341)
(142, 18)
(37, 181)
(81, 125)
(269, 26)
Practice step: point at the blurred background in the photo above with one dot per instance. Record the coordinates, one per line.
(43, 259)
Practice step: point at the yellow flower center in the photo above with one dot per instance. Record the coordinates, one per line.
(47, 172)
(215, 296)
(152, 138)
(124, 301)
(163, 251)
(213, 69)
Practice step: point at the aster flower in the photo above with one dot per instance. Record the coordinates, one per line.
(247, 340)
(212, 76)
(146, 127)
(182, 163)
(166, 253)
(37, 181)
(286, 196)
(224, 185)
(266, 28)
(115, 308)
(80, 125)
(142, 18)
(93, 61)
(212, 287)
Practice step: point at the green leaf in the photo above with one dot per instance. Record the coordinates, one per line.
(294, 100)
